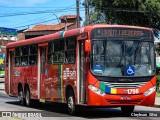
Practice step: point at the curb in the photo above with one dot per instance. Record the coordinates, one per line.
(157, 106)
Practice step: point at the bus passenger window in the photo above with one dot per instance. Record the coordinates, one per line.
(25, 50)
(58, 51)
(17, 61)
(24, 61)
(33, 51)
(18, 51)
(71, 49)
(33, 60)
(17, 56)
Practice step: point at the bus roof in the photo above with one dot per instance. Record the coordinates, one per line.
(68, 33)
(121, 26)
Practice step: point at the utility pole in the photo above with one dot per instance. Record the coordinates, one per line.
(78, 20)
(86, 12)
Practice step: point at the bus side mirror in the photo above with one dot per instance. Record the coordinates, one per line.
(84, 37)
(87, 46)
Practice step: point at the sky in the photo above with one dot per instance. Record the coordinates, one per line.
(22, 14)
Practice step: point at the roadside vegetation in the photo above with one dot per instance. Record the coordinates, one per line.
(158, 86)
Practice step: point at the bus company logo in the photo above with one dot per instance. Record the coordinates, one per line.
(16, 73)
(67, 73)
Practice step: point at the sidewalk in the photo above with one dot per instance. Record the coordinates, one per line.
(1, 80)
(1, 86)
(1, 83)
(157, 102)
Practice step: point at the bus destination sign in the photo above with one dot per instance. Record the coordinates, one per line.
(120, 32)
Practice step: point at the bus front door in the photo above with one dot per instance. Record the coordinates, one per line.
(82, 82)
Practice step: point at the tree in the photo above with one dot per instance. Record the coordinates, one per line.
(129, 12)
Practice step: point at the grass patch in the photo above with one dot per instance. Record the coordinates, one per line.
(157, 94)
(158, 77)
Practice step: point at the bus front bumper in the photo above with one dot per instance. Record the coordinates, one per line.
(120, 100)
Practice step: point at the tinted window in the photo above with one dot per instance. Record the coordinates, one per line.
(56, 51)
(26, 55)
(25, 50)
(18, 51)
(71, 49)
(34, 49)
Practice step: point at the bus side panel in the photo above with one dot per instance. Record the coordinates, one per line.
(6, 81)
(51, 87)
(14, 80)
(58, 77)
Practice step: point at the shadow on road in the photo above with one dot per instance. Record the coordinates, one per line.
(59, 110)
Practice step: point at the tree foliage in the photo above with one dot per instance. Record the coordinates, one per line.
(129, 12)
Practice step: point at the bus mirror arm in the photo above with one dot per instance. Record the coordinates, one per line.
(87, 46)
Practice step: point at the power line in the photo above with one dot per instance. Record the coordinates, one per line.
(39, 18)
(47, 17)
(36, 12)
(26, 13)
(53, 11)
(35, 23)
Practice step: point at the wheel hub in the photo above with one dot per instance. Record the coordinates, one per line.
(70, 103)
(20, 96)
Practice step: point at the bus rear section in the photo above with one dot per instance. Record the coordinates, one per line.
(122, 67)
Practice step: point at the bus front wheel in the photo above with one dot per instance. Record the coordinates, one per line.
(127, 109)
(71, 103)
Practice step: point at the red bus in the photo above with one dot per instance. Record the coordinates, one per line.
(97, 65)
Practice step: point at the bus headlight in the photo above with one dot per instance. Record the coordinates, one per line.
(96, 90)
(150, 91)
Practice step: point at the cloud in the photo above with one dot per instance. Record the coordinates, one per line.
(21, 3)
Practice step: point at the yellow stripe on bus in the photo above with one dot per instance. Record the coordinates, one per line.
(62, 84)
(42, 100)
(113, 91)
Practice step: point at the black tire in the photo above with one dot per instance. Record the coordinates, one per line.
(127, 109)
(71, 107)
(21, 96)
(28, 100)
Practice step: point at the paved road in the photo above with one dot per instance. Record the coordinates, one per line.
(58, 112)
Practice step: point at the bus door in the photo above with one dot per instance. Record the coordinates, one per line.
(11, 72)
(82, 81)
(41, 69)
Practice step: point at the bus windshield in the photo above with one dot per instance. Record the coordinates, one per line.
(122, 58)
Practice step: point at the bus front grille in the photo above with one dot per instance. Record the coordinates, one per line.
(125, 85)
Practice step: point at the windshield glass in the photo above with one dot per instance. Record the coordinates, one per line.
(122, 58)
